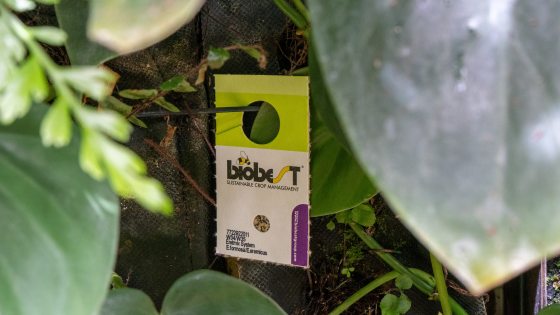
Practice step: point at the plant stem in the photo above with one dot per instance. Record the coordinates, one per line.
(419, 281)
(302, 10)
(377, 282)
(389, 259)
(291, 13)
(440, 285)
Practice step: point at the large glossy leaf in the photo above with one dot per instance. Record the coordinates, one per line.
(72, 17)
(454, 108)
(337, 181)
(129, 25)
(127, 301)
(211, 292)
(58, 226)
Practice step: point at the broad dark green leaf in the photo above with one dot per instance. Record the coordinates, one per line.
(211, 292)
(322, 103)
(453, 107)
(127, 301)
(337, 181)
(129, 25)
(59, 226)
(72, 17)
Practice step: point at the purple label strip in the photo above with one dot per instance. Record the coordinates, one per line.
(300, 235)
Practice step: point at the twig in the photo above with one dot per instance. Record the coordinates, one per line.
(163, 153)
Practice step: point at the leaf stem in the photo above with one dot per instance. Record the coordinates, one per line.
(377, 282)
(390, 260)
(440, 285)
(302, 10)
(291, 13)
(418, 277)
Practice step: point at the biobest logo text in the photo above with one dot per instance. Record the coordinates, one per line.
(246, 173)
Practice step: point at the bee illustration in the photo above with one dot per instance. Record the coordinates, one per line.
(243, 159)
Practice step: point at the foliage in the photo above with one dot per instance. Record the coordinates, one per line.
(337, 180)
(58, 241)
(453, 110)
(553, 309)
(199, 292)
(25, 71)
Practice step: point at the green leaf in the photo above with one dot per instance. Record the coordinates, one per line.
(331, 226)
(454, 110)
(108, 122)
(211, 292)
(28, 84)
(93, 81)
(266, 124)
(138, 94)
(403, 304)
(72, 17)
(20, 5)
(258, 55)
(135, 120)
(322, 104)
(177, 84)
(56, 128)
(389, 304)
(553, 309)
(343, 217)
(161, 101)
(403, 282)
(130, 25)
(217, 57)
(337, 180)
(117, 281)
(125, 301)
(363, 215)
(115, 104)
(49, 35)
(59, 226)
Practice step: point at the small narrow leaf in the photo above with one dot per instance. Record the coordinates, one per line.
(49, 35)
(56, 127)
(134, 94)
(115, 104)
(177, 84)
(161, 101)
(108, 122)
(135, 120)
(90, 155)
(93, 81)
